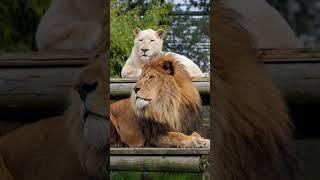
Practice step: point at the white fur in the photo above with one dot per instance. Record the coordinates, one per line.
(268, 27)
(139, 103)
(71, 25)
(132, 67)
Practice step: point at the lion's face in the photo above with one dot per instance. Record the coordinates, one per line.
(147, 89)
(92, 89)
(155, 85)
(148, 43)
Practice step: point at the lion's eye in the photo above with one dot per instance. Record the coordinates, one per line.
(150, 77)
(140, 39)
(152, 40)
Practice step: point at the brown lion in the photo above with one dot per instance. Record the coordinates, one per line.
(71, 146)
(252, 133)
(164, 109)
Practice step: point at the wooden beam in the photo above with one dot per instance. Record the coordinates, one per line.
(288, 55)
(159, 151)
(121, 88)
(149, 163)
(160, 159)
(45, 59)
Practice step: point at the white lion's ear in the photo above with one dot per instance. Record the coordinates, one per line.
(161, 33)
(136, 31)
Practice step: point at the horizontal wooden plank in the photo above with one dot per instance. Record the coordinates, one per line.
(289, 55)
(149, 163)
(45, 59)
(159, 151)
(126, 88)
(133, 80)
(58, 55)
(38, 63)
(122, 90)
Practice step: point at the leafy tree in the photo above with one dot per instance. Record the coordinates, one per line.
(125, 16)
(18, 23)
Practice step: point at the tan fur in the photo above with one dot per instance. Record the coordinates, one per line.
(152, 41)
(58, 147)
(71, 25)
(163, 112)
(251, 128)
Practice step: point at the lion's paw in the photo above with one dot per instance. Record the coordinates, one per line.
(196, 143)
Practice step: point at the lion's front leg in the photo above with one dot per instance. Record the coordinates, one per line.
(180, 140)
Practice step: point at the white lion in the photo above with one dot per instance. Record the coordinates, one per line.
(268, 28)
(148, 44)
(71, 25)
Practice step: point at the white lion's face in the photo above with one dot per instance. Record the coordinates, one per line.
(148, 43)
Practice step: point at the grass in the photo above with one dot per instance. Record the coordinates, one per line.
(126, 175)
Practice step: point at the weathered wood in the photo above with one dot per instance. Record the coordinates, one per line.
(155, 163)
(45, 59)
(160, 159)
(31, 93)
(299, 82)
(133, 80)
(205, 167)
(288, 55)
(122, 88)
(159, 151)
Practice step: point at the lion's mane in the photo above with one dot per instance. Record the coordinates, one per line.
(252, 134)
(178, 106)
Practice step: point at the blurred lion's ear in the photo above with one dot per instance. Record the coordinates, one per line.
(136, 31)
(161, 33)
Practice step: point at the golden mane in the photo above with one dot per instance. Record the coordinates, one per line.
(179, 105)
(252, 133)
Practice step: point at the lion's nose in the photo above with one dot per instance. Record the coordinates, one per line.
(84, 88)
(144, 50)
(136, 89)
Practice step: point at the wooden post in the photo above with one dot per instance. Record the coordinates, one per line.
(205, 167)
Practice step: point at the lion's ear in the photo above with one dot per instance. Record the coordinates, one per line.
(168, 68)
(136, 31)
(161, 33)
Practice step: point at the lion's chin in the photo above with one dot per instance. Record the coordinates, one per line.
(95, 132)
(145, 58)
(141, 103)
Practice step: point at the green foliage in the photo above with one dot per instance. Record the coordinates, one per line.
(124, 18)
(18, 23)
